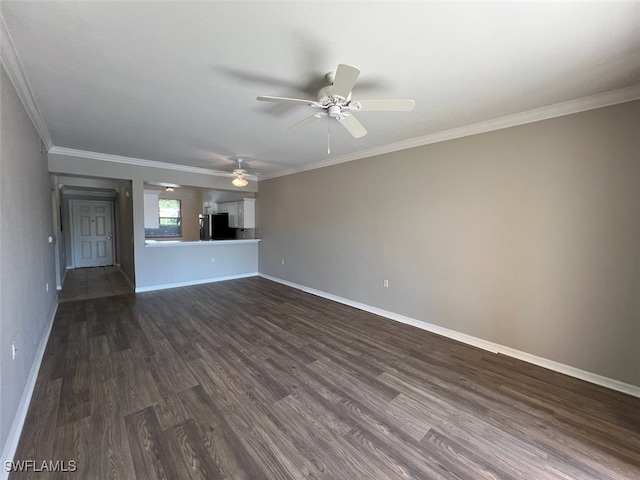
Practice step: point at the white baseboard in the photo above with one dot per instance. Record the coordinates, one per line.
(11, 445)
(194, 282)
(474, 341)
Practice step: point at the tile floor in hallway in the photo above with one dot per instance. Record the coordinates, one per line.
(94, 282)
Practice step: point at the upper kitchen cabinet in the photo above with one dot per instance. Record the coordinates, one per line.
(247, 213)
(242, 213)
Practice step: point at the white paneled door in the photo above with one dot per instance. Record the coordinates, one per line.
(92, 233)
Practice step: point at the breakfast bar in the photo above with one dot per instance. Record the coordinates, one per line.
(171, 264)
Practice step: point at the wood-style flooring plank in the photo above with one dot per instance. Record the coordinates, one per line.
(110, 457)
(74, 396)
(328, 451)
(187, 451)
(150, 452)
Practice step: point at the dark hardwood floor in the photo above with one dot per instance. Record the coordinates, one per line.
(249, 379)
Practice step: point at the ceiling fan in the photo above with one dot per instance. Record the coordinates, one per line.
(334, 101)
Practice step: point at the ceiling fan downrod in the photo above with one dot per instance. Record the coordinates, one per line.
(328, 136)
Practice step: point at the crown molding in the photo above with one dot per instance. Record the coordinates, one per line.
(141, 162)
(544, 113)
(15, 71)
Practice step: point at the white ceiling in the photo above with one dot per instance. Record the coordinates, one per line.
(177, 81)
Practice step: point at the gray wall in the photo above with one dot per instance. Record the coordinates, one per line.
(527, 237)
(26, 258)
(125, 234)
(60, 255)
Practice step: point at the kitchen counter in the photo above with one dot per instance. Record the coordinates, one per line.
(180, 243)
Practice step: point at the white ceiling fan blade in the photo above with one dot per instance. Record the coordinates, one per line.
(306, 121)
(353, 126)
(383, 105)
(267, 98)
(345, 79)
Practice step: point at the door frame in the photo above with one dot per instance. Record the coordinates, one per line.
(72, 202)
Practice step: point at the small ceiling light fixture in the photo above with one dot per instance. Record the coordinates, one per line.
(169, 189)
(239, 180)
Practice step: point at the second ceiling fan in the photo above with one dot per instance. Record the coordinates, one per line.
(335, 101)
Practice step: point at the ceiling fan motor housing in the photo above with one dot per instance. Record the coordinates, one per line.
(324, 93)
(326, 97)
(335, 111)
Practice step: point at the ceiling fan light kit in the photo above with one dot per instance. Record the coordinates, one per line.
(240, 182)
(334, 101)
(239, 179)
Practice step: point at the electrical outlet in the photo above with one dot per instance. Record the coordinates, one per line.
(213, 259)
(283, 261)
(13, 351)
(46, 286)
(385, 283)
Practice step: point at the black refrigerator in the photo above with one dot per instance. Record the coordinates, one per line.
(215, 226)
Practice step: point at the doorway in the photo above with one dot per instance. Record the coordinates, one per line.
(92, 231)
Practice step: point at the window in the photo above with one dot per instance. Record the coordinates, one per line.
(170, 221)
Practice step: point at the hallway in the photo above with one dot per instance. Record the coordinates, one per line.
(94, 282)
